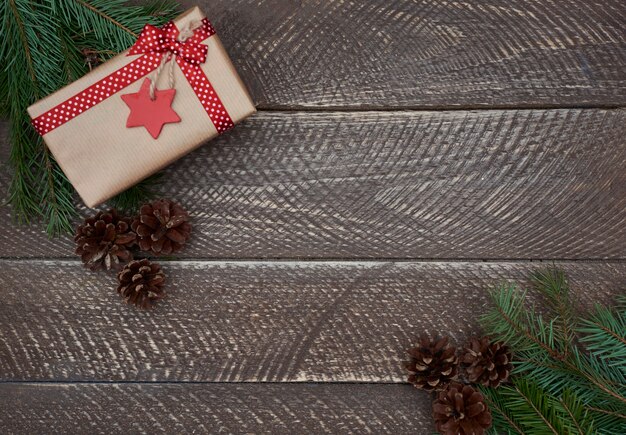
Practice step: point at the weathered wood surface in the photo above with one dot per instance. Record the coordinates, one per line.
(319, 183)
(251, 321)
(213, 408)
(423, 53)
(461, 184)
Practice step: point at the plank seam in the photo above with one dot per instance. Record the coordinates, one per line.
(419, 108)
(105, 382)
(335, 260)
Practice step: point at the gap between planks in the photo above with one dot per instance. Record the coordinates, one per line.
(418, 108)
(190, 383)
(329, 261)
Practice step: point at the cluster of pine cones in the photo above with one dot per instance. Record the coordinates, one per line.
(436, 366)
(107, 241)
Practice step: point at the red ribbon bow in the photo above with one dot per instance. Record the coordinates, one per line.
(165, 40)
(153, 43)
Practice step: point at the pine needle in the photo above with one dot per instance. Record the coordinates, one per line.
(578, 419)
(569, 369)
(40, 52)
(604, 333)
(551, 283)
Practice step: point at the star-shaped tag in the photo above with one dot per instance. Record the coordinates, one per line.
(149, 113)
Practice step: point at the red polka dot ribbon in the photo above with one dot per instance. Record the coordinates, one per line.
(153, 43)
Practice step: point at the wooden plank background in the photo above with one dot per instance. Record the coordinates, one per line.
(461, 184)
(252, 321)
(212, 408)
(407, 156)
(424, 53)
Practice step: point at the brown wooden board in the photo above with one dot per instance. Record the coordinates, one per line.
(423, 53)
(461, 184)
(354, 197)
(213, 408)
(251, 320)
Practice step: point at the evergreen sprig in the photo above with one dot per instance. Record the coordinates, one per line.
(41, 50)
(525, 408)
(570, 368)
(604, 333)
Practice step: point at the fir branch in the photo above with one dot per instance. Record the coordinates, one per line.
(57, 198)
(22, 33)
(502, 419)
(586, 387)
(73, 62)
(598, 375)
(579, 420)
(114, 23)
(608, 412)
(32, 71)
(608, 420)
(527, 407)
(581, 373)
(40, 36)
(551, 283)
(23, 195)
(530, 336)
(570, 413)
(44, 53)
(549, 374)
(106, 17)
(532, 397)
(58, 209)
(604, 334)
(509, 306)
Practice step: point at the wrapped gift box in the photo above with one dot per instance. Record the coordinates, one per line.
(84, 124)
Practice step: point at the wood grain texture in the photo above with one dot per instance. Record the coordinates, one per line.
(462, 184)
(496, 184)
(251, 320)
(213, 408)
(424, 53)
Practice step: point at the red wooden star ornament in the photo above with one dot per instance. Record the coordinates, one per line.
(149, 113)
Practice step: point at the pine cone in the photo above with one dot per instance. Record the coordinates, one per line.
(487, 363)
(141, 283)
(103, 240)
(433, 364)
(461, 410)
(162, 227)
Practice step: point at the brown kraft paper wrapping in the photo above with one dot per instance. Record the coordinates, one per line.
(101, 157)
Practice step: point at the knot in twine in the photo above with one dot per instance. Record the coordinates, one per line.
(170, 56)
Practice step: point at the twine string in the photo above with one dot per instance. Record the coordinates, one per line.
(184, 34)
